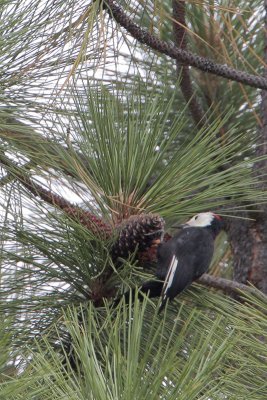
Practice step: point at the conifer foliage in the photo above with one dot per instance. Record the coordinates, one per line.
(100, 159)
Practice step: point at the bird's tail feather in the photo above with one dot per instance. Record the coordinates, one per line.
(151, 288)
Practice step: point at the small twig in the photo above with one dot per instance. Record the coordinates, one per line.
(229, 286)
(188, 58)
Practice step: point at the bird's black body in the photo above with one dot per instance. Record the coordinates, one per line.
(190, 245)
(185, 257)
(189, 253)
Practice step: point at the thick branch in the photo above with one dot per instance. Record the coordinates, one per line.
(229, 286)
(87, 219)
(249, 238)
(188, 58)
(179, 34)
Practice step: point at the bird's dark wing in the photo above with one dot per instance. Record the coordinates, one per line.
(183, 259)
(169, 278)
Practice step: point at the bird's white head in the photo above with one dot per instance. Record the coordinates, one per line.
(203, 220)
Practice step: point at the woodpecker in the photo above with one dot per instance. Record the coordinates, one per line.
(187, 256)
(182, 259)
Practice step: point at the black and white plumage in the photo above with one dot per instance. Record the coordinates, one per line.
(182, 259)
(187, 256)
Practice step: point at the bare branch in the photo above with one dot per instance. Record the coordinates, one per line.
(188, 58)
(229, 286)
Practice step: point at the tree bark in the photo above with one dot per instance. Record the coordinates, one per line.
(249, 238)
(179, 35)
(249, 246)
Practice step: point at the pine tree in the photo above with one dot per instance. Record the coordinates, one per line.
(118, 120)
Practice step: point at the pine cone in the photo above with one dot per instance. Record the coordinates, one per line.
(142, 231)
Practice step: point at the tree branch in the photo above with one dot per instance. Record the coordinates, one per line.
(229, 286)
(94, 224)
(179, 34)
(188, 58)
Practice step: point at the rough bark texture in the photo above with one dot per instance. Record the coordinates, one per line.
(249, 239)
(249, 245)
(258, 271)
(241, 235)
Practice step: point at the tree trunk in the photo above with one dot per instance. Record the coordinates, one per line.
(249, 238)
(249, 245)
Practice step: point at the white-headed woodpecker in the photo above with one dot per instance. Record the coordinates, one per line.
(182, 259)
(187, 256)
